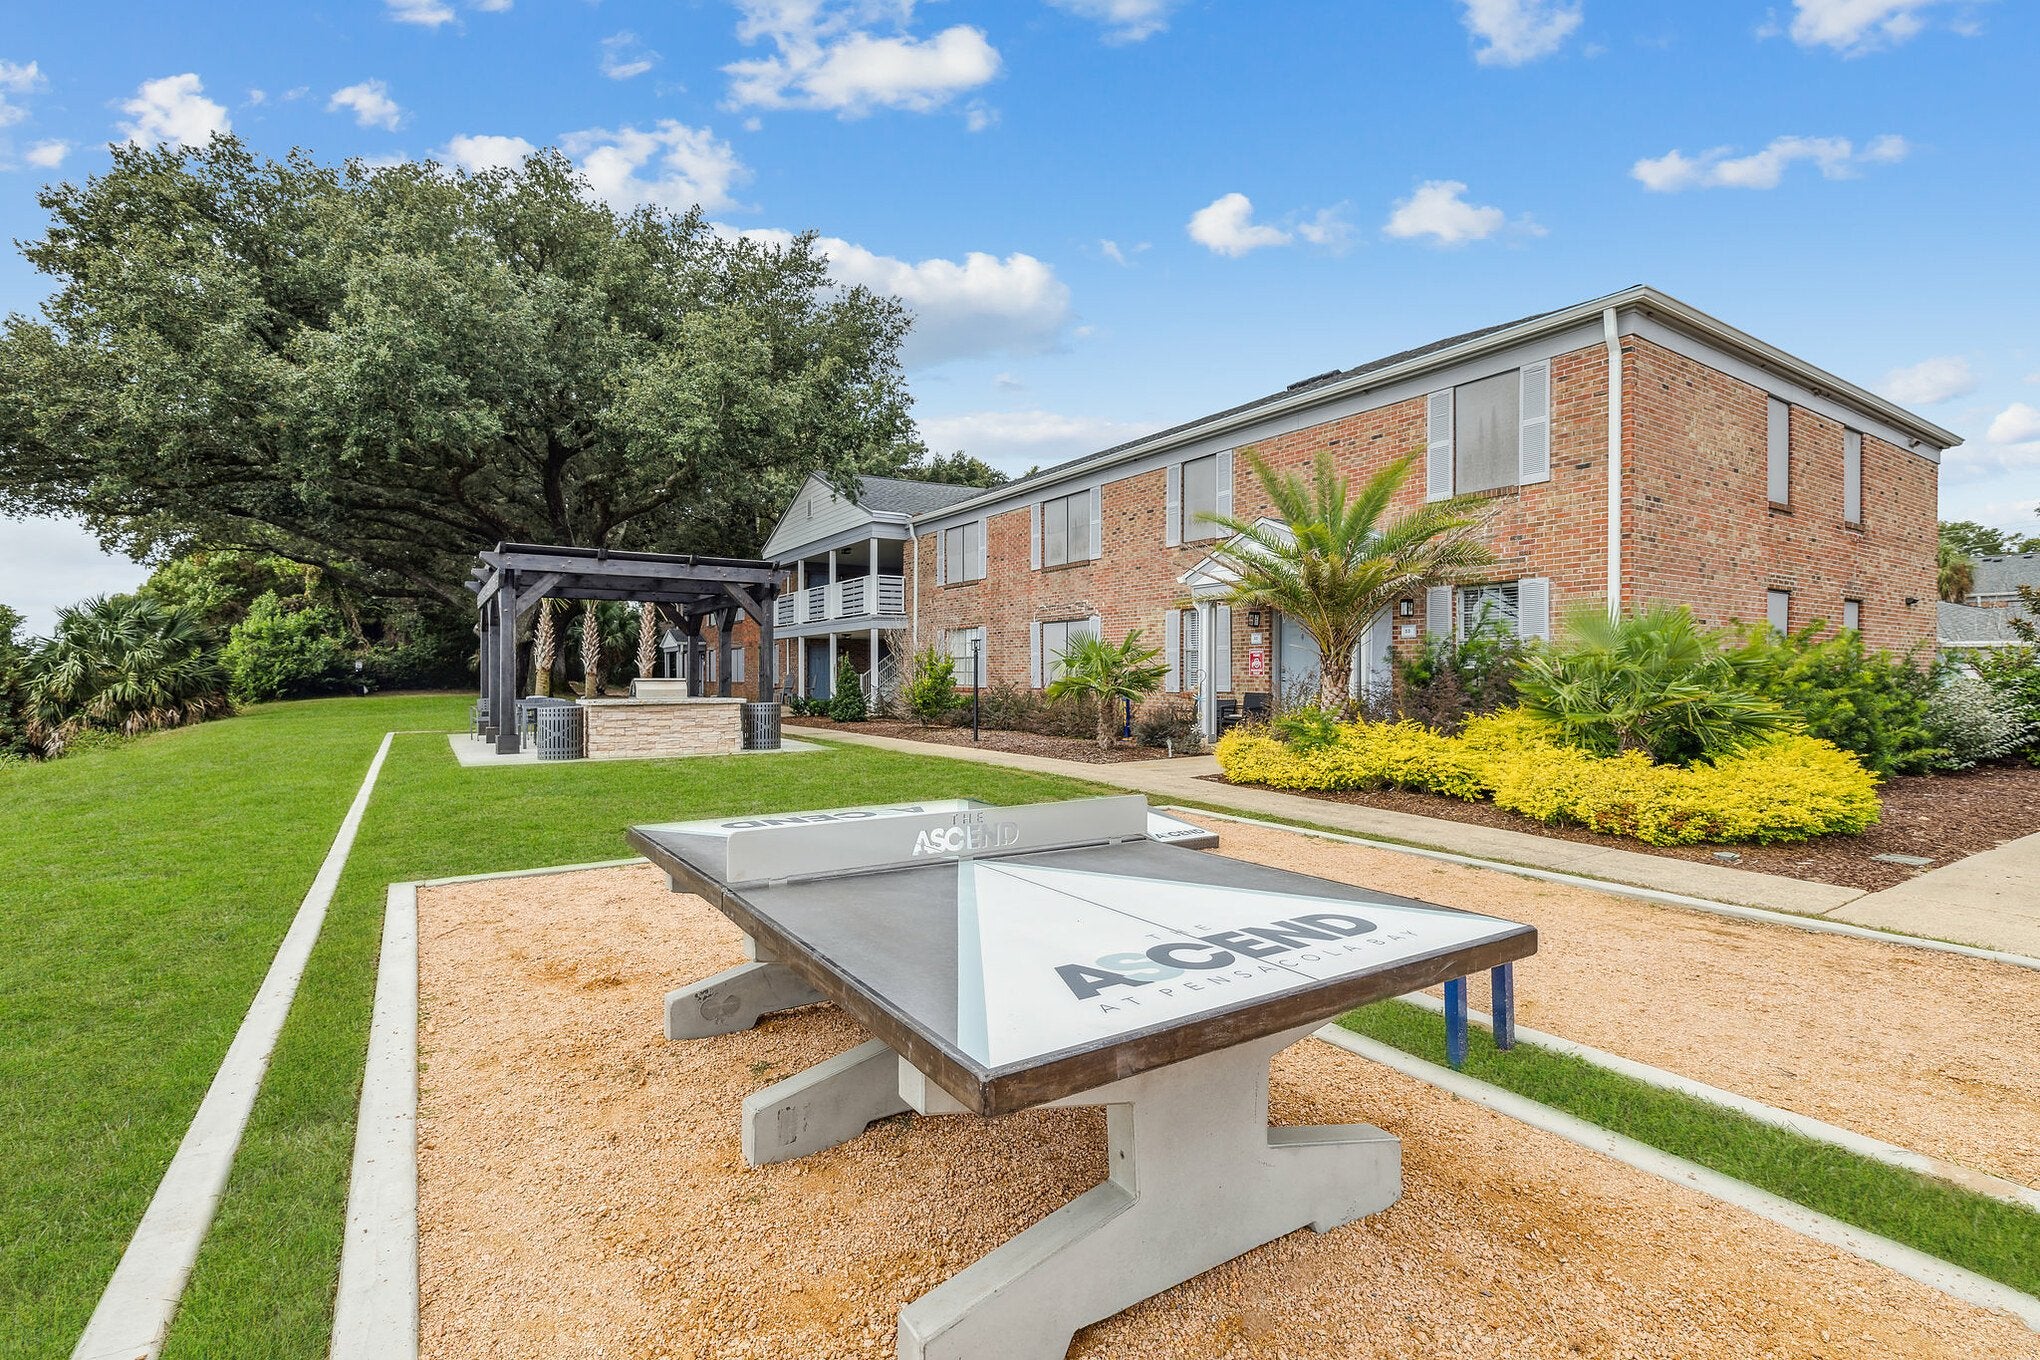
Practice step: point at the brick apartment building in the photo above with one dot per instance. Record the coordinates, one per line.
(1635, 448)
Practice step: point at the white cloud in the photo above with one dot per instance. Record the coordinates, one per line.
(1125, 20)
(1835, 157)
(1438, 209)
(828, 60)
(2018, 423)
(429, 13)
(173, 109)
(1226, 226)
(1930, 381)
(485, 151)
(492, 6)
(1014, 441)
(623, 56)
(687, 166)
(17, 79)
(1512, 32)
(979, 305)
(1853, 27)
(48, 155)
(1328, 228)
(1121, 255)
(370, 103)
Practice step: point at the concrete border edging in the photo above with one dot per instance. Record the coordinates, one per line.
(134, 1312)
(1817, 924)
(1806, 1126)
(1952, 1280)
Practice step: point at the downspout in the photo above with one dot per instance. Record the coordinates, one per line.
(914, 615)
(1612, 335)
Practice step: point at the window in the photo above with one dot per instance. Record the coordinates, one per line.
(1496, 607)
(1068, 532)
(1486, 430)
(963, 549)
(1852, 477)
(961, 641)
(1055, 641)
(1778, 455)
(1778, 609)
(1200, 498)
(1852, 614)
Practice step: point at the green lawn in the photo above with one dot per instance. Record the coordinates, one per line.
(141, 899)
(1998, 1240)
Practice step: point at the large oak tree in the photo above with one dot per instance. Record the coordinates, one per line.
(379, 370)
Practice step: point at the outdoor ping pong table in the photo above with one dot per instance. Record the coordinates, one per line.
(1058, 954)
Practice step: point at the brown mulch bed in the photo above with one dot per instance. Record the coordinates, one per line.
(1942, 817)
(1021, 743)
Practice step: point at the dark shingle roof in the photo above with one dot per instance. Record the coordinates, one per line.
(2005, 573)
(898, 496)
(1959, 625)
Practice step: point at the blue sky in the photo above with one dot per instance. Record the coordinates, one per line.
(1112, 215)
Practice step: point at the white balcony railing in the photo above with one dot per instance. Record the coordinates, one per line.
(854, 597)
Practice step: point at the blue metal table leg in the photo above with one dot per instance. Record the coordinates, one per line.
(1455, 1021)
(1502, 984)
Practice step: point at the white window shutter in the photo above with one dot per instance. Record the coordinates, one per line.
(984, 642)
(1221, 652)
(1096, 623)
(984, 534)
(1193, 650)
(1172, 507)
(1097, 522)
(1034, 654)
(1225, 485)
(1852, 476)
(1533, 607)
(1438, 610)
(1438, 448)
(941, 557)
(1172, 649)
(1533, 450)
(1034, 536)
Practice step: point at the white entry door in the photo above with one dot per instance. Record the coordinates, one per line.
(1374, 662)
(1297, 663)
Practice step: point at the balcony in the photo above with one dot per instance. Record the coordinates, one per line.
(856, 597)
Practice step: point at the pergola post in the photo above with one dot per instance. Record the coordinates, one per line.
(768, 651)
(725, 624)
(503, 708)
(482, 655)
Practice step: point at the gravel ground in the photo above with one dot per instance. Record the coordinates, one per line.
(1942, 817)
(1025, 743)
(582, 1193)
(1905, 1044)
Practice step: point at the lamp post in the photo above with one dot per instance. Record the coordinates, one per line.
(976, 668)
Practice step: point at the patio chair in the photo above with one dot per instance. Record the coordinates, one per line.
(1228, 714)
(1254, 706)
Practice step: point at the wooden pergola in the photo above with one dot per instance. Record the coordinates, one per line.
(512, 578)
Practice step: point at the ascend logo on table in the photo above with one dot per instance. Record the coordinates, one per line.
(959, 837)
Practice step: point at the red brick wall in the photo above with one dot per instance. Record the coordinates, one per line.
(1699, 528)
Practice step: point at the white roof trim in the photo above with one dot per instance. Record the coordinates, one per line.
(1212, 578)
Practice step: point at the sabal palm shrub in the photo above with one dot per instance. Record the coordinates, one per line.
(1653, 682)
(1338, 557)
(1108, 674)
(122, 663)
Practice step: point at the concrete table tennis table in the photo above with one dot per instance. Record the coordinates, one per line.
(1057, 954)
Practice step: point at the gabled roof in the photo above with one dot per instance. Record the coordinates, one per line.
(1213, 576)
(1966, 625)
(2002, 574)
(899, 496)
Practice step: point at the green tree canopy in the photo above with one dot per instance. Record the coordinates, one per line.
(378, 370)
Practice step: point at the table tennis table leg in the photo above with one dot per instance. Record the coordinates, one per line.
(1195, 1178)
(828, 1104)
(1502, 990)
(1455, 1022)
(735, 999)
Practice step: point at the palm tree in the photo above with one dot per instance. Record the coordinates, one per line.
(647, 640)
(1112, 673)
(1956, 572)
(545, 649)
(1337, 559)
(1654, 682)
(591, 650)
(126, 663)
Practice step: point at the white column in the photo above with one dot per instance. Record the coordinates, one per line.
(832, 648)
(800, 663)
(1207, 668)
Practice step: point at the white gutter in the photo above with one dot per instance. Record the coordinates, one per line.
(1612, 334)
(914, 610)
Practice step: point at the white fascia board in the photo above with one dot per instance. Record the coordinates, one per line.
(892, 527)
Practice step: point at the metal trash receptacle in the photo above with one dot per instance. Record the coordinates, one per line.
(561, 732)
(761, 727)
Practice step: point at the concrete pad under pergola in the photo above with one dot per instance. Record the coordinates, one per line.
(510, 579)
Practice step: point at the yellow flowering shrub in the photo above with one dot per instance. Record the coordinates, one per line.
(1785, 789)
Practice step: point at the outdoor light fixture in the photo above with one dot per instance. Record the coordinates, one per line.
(1405, 609)
(1911, 600)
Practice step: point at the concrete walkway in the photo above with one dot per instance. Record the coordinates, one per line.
(1991, 899)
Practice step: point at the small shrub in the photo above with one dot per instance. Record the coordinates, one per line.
(2014, 672)
(278, 651)
(1168, 725)
(1306, 728)
(846, 704)
(1972, 721)
(1446, 681)
(1871, 703)
(929, 696)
